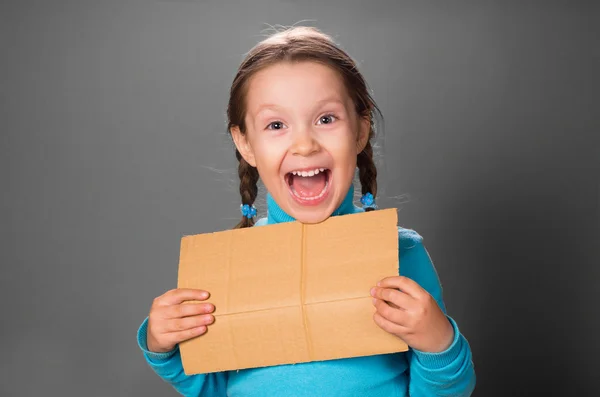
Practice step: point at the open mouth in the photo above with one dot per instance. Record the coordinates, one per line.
(309, 186)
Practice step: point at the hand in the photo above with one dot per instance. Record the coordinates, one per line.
(408, 311)
(171, 322)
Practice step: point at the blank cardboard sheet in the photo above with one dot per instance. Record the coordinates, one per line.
(290, 293)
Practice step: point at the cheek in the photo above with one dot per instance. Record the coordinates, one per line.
(268, 156)
(343, 147)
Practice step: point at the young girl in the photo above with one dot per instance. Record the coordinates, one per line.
(301, 118)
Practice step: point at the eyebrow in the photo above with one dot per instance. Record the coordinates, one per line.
(266, 106)
(274, 107)
(334, 99)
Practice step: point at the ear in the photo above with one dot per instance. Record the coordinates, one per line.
(364, 133)
(243, 145)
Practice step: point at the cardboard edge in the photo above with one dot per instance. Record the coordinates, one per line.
(186, 240)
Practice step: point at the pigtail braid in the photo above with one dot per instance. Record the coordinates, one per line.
(248, 187)
(367, 172)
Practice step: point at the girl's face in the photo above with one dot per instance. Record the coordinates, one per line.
(303, 134)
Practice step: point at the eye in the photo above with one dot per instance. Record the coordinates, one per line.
(327, 119)
(275, 125)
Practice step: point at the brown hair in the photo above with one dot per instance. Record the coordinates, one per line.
(300, 44)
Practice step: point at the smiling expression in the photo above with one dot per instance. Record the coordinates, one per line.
(303, 134)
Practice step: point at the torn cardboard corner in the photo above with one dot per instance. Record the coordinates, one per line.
(290, 293)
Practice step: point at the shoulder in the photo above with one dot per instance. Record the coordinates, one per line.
(408, 239)
(416, 264)
(261, 222)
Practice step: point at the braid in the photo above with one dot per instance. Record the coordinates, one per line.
(367, 172)
(248, 187)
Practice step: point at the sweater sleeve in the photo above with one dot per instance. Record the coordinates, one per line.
(447, 373)
(168, 367)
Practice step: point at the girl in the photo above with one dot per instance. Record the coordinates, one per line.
(301, 118)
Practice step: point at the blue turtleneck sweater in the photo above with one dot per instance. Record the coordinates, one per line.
(412, 373)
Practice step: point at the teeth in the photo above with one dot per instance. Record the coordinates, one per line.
(308, 173)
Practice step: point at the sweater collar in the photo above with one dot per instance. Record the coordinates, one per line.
(276, 215)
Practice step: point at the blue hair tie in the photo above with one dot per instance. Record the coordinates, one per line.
(249, 211)
(368, 201)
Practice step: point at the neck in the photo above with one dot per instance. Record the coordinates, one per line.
(277, 215)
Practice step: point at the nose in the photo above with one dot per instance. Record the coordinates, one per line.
(304, 143)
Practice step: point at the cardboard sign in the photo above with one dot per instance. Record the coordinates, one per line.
(290, 293)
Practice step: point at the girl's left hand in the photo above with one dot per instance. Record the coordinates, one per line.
(408, 311)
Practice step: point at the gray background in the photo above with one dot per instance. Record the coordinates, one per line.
(112, 147)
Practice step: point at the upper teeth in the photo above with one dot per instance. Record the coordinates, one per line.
(308, 173)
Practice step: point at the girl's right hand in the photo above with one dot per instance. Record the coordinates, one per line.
(171, 322)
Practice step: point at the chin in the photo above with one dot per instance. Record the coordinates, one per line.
(313, 213)
(313, 216)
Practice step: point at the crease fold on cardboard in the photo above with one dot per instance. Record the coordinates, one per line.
(309, 346)
(290, 293)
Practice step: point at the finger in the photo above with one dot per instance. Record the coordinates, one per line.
(387, 325)
(397, 316)
(176, 296)
(398, 298)
(404, 284)
(181, 336)
(185, 323)
(192, 309)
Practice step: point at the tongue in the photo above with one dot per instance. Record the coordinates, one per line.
(310, 186)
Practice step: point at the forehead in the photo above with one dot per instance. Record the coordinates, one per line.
(294, 84)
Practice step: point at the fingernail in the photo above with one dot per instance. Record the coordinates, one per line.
(209, 308)
(374, 301)
(379, 284)
(204, 294)
(373, 291)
